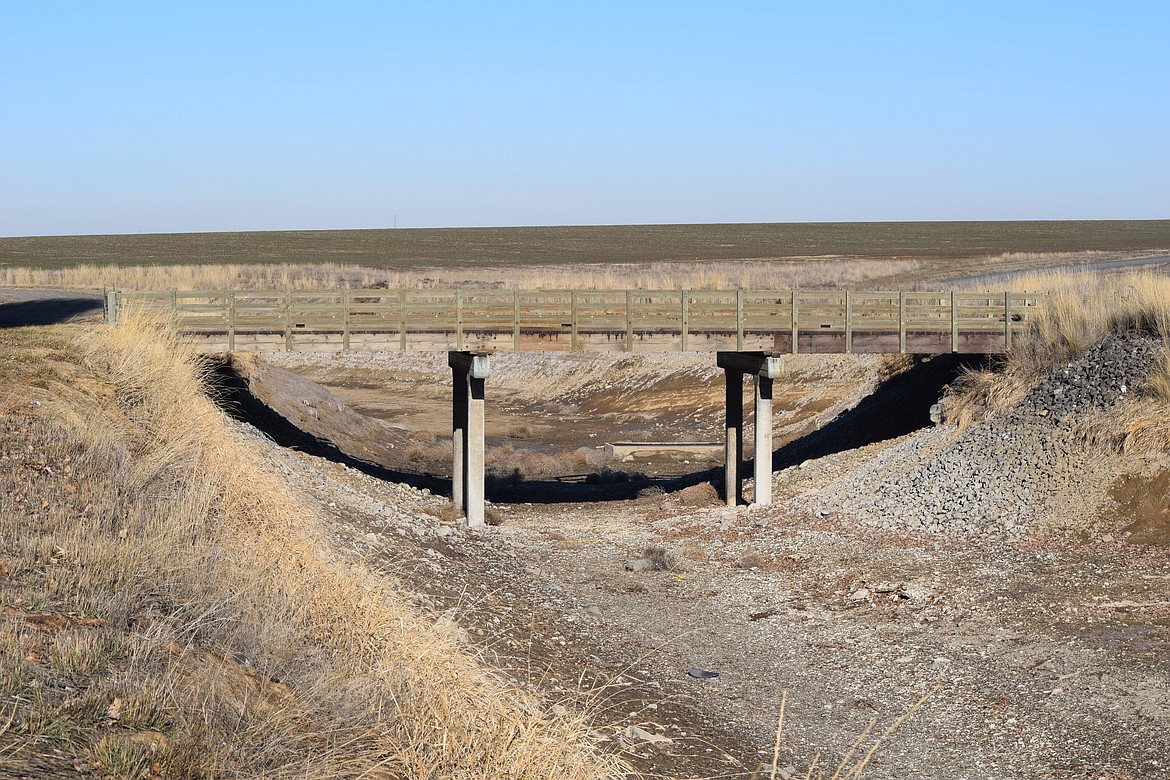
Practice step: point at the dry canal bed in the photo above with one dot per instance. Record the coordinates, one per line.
(1050, 646)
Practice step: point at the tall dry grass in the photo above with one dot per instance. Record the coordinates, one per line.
(719, 275)
(1078, 311)
(207, 624)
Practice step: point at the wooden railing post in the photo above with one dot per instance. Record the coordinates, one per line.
(902, 323)
(231, 320)
(345, 300)
(288, 321)
(459, 320)
(685, 302)
(629, 321)
(572, 320)
(401, 320)
(848, 322)
(795, 324)
(1007, 321)
(739, 320)
(516, 320)
(954, 323)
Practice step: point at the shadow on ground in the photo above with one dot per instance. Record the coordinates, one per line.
(235, 397)
(46, 311)
(898, 406)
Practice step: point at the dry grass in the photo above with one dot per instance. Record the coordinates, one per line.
(520, 431)
(171, 608)
(512, 464)
(1079, 310)
(855, 760)
(715, 275)
(664, 558)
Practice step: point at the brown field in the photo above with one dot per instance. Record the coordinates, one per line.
(458, 247)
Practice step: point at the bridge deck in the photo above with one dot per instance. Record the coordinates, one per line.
(588, 320)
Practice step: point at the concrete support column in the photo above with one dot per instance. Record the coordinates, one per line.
(765, 368)
(763, 436)
(460, 394)
(468, 372)
(733, 436)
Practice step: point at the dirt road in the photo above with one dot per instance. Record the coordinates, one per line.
(46, 306)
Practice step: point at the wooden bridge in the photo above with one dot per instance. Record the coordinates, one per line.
(748, 330)
(787, 321)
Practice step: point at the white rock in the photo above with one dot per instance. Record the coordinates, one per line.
(641, 735)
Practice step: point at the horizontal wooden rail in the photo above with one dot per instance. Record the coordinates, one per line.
(595, 320)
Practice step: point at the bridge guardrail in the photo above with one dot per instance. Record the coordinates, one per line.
(576, 320)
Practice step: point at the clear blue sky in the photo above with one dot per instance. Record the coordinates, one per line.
(158, 117)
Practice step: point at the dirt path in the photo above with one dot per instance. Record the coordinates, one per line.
(1002, 279)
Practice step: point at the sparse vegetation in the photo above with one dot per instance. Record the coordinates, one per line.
(713, 275)
(663, 558)
(608, 476)
(172, 609)
(520, 431)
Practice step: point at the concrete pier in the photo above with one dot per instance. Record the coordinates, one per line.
(764, 368)
(468, 372)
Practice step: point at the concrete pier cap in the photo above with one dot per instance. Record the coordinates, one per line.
(765, 364)
(477, 365)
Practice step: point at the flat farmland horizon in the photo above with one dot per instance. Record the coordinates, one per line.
(589, 244)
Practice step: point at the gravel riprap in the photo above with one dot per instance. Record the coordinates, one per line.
(1004, 473)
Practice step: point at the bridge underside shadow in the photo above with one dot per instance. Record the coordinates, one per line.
(898, 406)
(235, 397)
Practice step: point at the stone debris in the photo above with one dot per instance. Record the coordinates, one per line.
(1002, 474)
(641, 735)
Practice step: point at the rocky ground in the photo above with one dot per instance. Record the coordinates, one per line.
(990, 564)
(1026, 465)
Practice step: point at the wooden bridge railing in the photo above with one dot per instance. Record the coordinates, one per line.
(595, 320)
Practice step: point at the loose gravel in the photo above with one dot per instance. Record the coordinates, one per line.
(1003, 474)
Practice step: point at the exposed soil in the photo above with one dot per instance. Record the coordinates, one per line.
(1050, 646)
(1145, 502)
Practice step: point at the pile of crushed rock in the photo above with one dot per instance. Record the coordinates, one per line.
(1018, 466)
